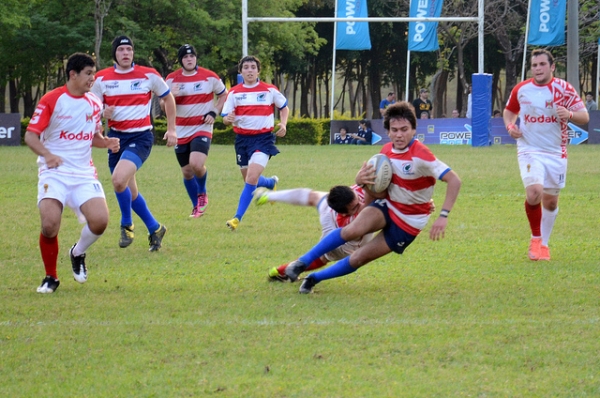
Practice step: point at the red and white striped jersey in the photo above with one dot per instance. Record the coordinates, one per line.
(194, 99)
(130, 92)
(543, 131)
(66, 125)
(415, 171)
(253, 107)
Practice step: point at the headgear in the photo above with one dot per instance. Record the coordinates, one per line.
(185, 49)
(120, 41)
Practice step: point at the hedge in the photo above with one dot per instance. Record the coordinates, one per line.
(300, 131)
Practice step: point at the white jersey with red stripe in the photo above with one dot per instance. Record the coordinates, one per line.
(66, 125)
(415, 171)
(253, 107)
(331, 220)
(131, 93)
(194, 99)
(543, 131)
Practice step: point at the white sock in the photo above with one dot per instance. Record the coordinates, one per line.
(548, 218)
(86, 239)
(299, 196)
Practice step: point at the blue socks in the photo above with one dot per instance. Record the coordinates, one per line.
(266, 182)
(191, 186)
(338, 269)
(325, 245)
(124, 200)
(141, 209)
(245, 200)
(202, 183)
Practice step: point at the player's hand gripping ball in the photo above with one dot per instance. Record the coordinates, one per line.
(383, 172)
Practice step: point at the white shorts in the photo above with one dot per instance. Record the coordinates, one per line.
(327, 217)
(542, 169)
(70, 191)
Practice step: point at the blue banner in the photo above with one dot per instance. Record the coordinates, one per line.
(547, 22)
(422, 36)
(352, 35)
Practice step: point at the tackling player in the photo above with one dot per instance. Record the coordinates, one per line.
(336, 208)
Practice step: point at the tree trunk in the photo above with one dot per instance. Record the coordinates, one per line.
(304, 96)
(13, 95)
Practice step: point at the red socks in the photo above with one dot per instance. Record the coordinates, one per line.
(534, 215)
(49, 250)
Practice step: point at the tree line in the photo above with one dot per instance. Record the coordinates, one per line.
(39, 35)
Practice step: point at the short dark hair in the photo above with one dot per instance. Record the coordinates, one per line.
(248, 58)
(340, 197)
(78, 61)
(400, 110)
(390, 94)
(589, 93)
(542, 51)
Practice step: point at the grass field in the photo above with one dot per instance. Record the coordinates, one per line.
(467, 316)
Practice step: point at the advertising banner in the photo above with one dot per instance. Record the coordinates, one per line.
(422, 36)
(352, 35)
(547, 22)
(10, 129)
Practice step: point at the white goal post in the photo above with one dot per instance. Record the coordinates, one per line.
(479, 19)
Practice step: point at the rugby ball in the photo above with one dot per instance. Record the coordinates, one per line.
(383, 172)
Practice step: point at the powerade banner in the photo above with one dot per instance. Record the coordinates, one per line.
(352, 35)
(547, 22)
(422, 36)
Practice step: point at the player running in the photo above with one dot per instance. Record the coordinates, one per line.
(194, 89)
(126, 89)
(545, 104)
(249, 108)
(63, 129)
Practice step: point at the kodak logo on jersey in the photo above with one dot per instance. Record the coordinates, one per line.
(65, 135)
(540, 119)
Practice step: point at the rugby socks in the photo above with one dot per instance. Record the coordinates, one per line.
(548, 219)
(297, 197)
(331, 241)
(202, 183)
(338, 269)
(191, 186)
(86, 239)
(142, 210)
(534, 215)
(266, 182)
(124, 199)
(245, 200)
(49, 250)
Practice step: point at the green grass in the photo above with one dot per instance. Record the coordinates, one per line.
(466, 316)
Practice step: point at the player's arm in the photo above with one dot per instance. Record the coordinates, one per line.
(33, 142)
(101, 141)
(283, 118)
(171, 111)
(510, 119)
(578, 117)
(438, 228)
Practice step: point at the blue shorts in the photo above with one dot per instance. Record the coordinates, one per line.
(396, 238)
(246, 145)
(198, 144)
(135, 147)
